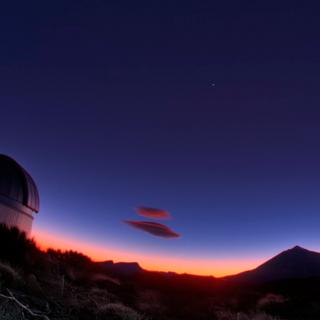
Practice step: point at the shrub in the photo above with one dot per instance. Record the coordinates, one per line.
(117, 311)
(149, 301)
(17, 246)
(8, 275)
(228, 315)
(271, 298)
(70, 258)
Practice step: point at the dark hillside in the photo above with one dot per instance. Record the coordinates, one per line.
(55, 284)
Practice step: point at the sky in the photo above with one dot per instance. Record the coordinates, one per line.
(208, 110)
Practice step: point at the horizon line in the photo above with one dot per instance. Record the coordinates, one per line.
(217, 268)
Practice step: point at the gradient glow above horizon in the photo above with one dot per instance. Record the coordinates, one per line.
(111, 105)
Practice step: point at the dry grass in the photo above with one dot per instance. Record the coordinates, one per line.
(118, 311)
(228, 315)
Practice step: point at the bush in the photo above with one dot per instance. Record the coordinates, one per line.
(117, 311)
(17, 246)
(9, 275)
(149, 301)
(228, 315)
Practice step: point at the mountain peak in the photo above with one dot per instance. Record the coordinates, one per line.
(293, 263)
(298, 248)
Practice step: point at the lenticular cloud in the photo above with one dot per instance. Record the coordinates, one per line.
(154, 213)
(154, 228)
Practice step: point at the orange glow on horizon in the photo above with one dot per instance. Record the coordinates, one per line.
(218, 268)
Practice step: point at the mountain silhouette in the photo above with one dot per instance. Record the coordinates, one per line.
(294, 263)
(124, 268)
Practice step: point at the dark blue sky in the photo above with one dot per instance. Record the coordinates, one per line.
(110, 105)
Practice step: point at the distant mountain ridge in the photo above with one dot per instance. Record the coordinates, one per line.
(124, 268)
(294, 263)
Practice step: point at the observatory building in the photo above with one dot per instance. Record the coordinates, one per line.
(19, 197)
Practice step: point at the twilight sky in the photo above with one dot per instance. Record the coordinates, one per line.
(110, 106)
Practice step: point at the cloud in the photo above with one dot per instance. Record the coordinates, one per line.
(153, 213)
(154, 228)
